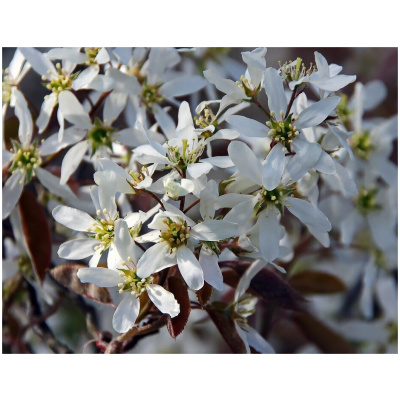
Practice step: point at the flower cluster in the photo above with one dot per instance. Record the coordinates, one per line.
(185, 191)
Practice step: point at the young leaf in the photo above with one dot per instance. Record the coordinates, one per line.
(204, 294)
(324, 337)
(316, 282)
(227, 329)
(37, 233)
(65, 275)
(178, 288)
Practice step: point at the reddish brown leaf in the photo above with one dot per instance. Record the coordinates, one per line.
(178, 288)
(267, 285)
(204, 294)
(37, 233)
(65, 275)
(316, 282)
(324, 337)
(227, 329)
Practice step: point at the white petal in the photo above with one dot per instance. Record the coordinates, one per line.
(155, 259)
(349, 226)
(102, 56)
(325, 164)
(212, 272)
(124, 242)
(246, 161)
(277, 101)
(67, 53)
(165, 301)
(374, 93)
(93, 262)
(342, 136)
(246, 278)
(321, 236)
(190, 268)
(52, 145)
(102, 277)
(114, 260)
(77, 249)
(198, 169)
(308, 214)
(317, 113)
(85, 77)
(214, 230)
(222, 84)
(165, 121)
(218, 161)
(12, 192)
(53, 185)
(247, 126)
(72, 218)
(224, 134)
(25, 128)
(107, 188)
(182, 86)
(334, 83)
(322, 65)
(113, 106)
(257, 342)
(40, 63)
(73, 111)
(269, 234)
(185, 119)
(120, 173)
(126, 313)
(123, 83)
(45, 111)
(72, 160)
(273, 168)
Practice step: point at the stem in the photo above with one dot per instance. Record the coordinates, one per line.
(182, 203)
(258, 104)
(155, 198)
(291, 102)
(191, 206)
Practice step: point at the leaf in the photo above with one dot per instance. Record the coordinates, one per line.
(316, 282)
(37, 233)
(227, 329)
(66, 275)
(11, 126)
(204, 294)
(267, 285)
(324, 337)
(178, 288)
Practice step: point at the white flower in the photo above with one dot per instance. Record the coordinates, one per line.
(176, 236)
(244, 306)
(126, 278)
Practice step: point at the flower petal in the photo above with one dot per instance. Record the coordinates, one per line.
(213, 230)
(12, 192)
(247, 126)
(102, 277)
(156, 258)
(72, 160)
(77, 249)
(273, 83)
(45, 111)
(124, 243)
(53, 184)
(165, 301)
(182, 86)
(269, 234)
(190, 268)
(273, 168)
(126, 313)
(52, 145)
(72, 110)
(73, 219)
(212, 272)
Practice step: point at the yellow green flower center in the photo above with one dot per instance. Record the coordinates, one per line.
(366, 201)
(283, 131)
(291, 71)
(133, 283)
(25, 160)
(176, 233)
(61, 82)
(100, 135)
(362, 145)
(150, 95)
(92, 52)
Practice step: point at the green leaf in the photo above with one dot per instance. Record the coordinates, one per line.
(316, 282)
(37, 233)
(178, 288)
(66, 275)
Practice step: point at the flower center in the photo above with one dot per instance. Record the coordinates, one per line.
(150, 95)
(246, 86)
(103, 230)
(133, 283)
(92, 52)
(342, 110)
(100, 135)
(293, 71)
(205, 120)
(185, 156)
(6, 88)
(366, 201)
(25, 160)
(61, 82)
(283, 131)
(362, 145)
(176, 234)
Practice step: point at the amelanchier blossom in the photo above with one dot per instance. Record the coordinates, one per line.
(125, 276)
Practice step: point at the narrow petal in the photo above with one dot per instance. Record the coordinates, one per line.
(269, 234)
(40, 63)
(334, 83)
(273, 168)
(72, 160)
(123, 83)
(308, 214)
(246, 161)
(182, 86)
(113, 106)
(124, 242)
(73, 111)
(277, 101)
(53, 185)
(52, 144)
(114, 260)
(212, 272)
(214, 230)
(190, 268)
(107, 188)
(317, 113)
(126, 313)
(102, 277)
(185, 119)
(198, 169)
(218, 161)
(77, 249)
(25, 128)
(85, 77)
(257, 342)
(155, 259)
(94, 261)
(165, 121)
(349, 226)
(246, 278)
(165, 301)
(45, 111)
(73, 219)
(12, 192)
(247, 126)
